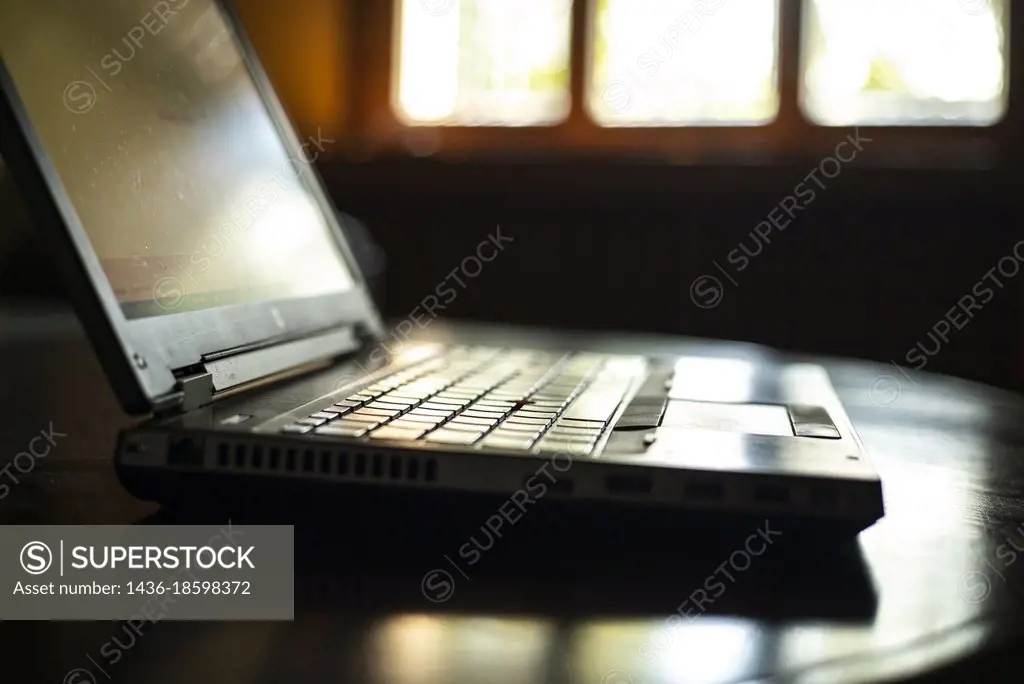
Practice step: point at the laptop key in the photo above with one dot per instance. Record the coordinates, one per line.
(426, 420)
(580, 423)
(475, 413)
(369, 422)
(517, 420)
(417, 392)
(547, 446)
(311, 421)
(363, 418)
(502, 442)
(542, 404)
(447, 403)
(536, 413)
(296, 429)
(396, 400)
(569, 439)
(573, 422)
(594, 404)
(465, 427)
(406, 394)
(520, 428)
(470, 420)
(384, 406)
(443, 436)
(431, 412)
(397, 433)
(572, 433)
(336, 430)
(411, 425)
(387, 413)
(348, 403)
(561, 390)
(464, 390)
(331, 409)
(435, 405)
(494, 405)
(355, 421)
(554, 398)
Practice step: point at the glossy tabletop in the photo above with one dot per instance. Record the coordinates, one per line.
(932, 590)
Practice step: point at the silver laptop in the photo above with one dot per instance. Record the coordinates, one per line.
(221, 294)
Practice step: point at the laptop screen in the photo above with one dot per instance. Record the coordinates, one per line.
(168, 154)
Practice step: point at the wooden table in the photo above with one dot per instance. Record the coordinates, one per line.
(932, 590)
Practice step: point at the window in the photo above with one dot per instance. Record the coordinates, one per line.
(910, 62)
(700, 63)
(484, 62)
(680, 62)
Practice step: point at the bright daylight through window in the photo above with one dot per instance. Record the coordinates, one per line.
(905, 62)
(673, 63)
(681, 62)
(483, 62)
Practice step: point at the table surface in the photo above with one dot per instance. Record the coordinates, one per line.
(932, 590)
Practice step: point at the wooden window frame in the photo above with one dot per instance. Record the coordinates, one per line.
(377, 130)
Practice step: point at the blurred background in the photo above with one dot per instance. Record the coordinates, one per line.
(630, 147)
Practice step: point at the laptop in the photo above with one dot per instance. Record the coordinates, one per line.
(219, 289)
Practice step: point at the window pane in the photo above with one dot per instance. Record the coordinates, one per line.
(684, 62)
(484, 62)
(912, 62)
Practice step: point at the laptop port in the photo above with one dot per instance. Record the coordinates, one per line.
(708, 491)
(774, 494)
(824, 497)
(629, 484)
(430, 469)
(562, 486)
(184, 452)
(559, 486)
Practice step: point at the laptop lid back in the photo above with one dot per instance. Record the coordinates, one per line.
(176, 196)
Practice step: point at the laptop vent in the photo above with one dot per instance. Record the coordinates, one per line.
(347, 464)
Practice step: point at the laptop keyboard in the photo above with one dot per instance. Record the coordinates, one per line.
(492, 398)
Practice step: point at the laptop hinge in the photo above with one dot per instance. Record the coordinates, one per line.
(196, 390)
(222, 371)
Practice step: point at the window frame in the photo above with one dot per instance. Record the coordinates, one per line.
(379, 130)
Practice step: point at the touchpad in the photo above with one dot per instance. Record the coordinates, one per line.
(752, 419)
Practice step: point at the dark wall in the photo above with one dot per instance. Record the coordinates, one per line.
(865, 270)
